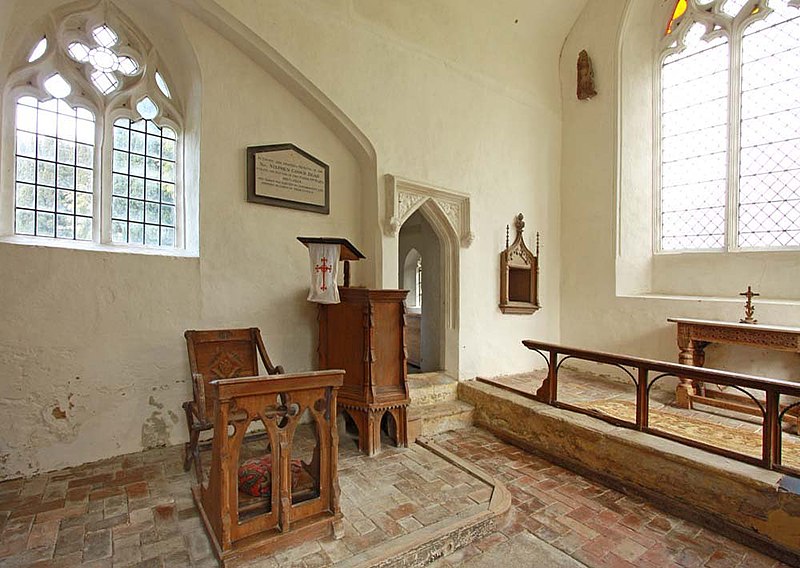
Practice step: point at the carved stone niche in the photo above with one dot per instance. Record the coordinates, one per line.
(519, 274)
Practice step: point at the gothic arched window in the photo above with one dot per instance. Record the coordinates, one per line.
(729, 122)
(97, 153)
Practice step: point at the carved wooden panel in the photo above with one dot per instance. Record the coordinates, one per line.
(222, 354)
(365, 335)
(238, 524)
(519, 274)
(754, 337)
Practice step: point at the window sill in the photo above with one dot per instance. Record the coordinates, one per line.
(92, 246)
(718, 252)
(710, 299)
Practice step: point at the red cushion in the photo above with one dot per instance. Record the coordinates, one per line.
(255, 477)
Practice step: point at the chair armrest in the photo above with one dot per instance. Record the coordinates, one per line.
(199, 391)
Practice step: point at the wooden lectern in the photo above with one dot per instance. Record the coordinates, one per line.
(364, 334)
(348, 251)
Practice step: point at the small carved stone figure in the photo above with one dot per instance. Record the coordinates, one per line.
(519, 223)
(586, 88)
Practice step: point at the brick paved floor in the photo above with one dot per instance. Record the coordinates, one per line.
(595, 525)
(136, 510)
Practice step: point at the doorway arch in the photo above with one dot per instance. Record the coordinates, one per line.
(420, 272)
(448, 214)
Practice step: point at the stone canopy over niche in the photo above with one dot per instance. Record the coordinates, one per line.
(404, 196)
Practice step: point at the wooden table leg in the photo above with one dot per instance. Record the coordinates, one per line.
(699, 360)
(686, 356)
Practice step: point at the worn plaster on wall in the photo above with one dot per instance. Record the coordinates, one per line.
(450, 118)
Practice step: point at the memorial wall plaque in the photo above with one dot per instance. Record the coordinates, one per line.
(286, 176)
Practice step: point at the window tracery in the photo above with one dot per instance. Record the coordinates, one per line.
(97, 136)
(103, 59)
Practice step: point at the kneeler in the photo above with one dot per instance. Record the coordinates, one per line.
(253, 505)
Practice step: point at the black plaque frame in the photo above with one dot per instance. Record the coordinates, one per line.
(252, 197)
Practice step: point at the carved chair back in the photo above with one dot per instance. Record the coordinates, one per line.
(224, 354)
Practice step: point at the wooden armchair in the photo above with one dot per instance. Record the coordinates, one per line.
(218, 354)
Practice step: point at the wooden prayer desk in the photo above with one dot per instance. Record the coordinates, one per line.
(291, 499)
(693, 337)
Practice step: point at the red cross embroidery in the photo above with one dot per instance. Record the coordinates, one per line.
(324, 267)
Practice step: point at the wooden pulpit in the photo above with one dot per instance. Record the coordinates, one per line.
(285, 490)
(365, 336)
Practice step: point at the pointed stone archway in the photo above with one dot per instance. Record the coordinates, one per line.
(448, 213)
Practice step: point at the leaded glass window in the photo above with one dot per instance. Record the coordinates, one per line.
(54, 166)
(143, 202)
(730, 132)
(76, 178)
(418, 283)
(769, 189)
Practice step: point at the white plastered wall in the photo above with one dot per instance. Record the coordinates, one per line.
(441, 91)
(472, 105)
(92, 357)
(615, 294)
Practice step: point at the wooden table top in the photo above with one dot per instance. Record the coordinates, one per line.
(736, 325)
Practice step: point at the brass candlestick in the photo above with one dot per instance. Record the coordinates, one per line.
(749, 310)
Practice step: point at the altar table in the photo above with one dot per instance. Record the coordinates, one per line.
(693, 337)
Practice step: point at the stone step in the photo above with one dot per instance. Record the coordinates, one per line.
(431, 388)
(438, 417)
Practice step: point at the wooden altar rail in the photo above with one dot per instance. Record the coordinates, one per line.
(772, 413)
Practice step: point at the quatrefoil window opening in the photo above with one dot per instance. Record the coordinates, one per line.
(105, 61)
